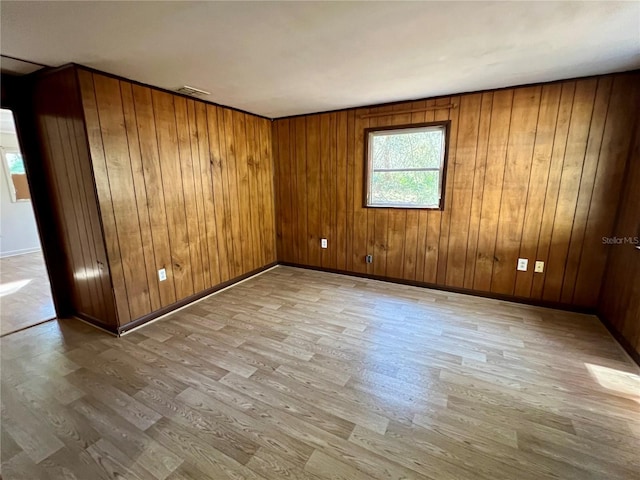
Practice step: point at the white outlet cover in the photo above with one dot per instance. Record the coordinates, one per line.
(162, 274)
(523, 263)
(323, 243)
(539, 267)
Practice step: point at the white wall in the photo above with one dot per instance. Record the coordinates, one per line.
(18, 232)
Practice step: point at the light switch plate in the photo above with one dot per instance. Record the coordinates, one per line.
(162, 274)
(523, 263)
(539, 267)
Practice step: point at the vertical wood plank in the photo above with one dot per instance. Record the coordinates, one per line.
(569, 186)
(232, 195)
(76, 181)
(497, 149)
(246, 237)
(203, 189)
(553, 183)
(299, 179)
(213, 123)
(278, 180)
(445, 216)
(256, 197)
(360, 247)
(341, 191)
(463, 170)
(351, 193)
(540, 169)
(619, 301)
(478, 188)
(94, 135)
(585, 191)
(286, 183)
(150, 158)
(522, 131)
(56, 172)
(121, 193)
(615, 148)
(140, 194)
(313, 191)
(325, 191)
(267, 163)
(186, 158)
(105, 307)
(439, 220)
(166, 132)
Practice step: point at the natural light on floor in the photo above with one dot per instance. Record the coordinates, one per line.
(625, 383)
(12, 287)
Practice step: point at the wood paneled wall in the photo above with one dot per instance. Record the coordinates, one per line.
(533, 172)
(182, 185)
(65, 159)
(619, 302)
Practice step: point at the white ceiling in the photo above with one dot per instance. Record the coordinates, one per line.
(285, 58)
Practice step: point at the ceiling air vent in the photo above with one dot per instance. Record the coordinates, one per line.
(194, 92)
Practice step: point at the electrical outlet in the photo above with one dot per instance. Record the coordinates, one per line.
(162, 274)
(523, 264)
(539, 267)
(368, 259)
(323, 242)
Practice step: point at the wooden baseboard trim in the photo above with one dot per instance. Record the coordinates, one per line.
(623, 342)
(124, 329)
(466, 291)
(94, 322)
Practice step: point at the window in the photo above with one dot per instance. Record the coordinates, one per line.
(406, 166)
(16, 175)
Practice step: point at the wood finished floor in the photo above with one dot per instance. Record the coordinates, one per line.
(309, 375)
(26, 293)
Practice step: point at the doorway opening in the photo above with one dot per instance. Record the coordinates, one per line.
(25, 291)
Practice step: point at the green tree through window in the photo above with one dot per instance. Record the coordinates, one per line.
(405, 166)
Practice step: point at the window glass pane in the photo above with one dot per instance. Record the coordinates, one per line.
(410, 149)
(14, 161)
(405, 188)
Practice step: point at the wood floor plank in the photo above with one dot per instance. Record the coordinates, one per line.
(311, 375)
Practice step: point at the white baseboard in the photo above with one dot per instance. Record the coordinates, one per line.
(13, 253)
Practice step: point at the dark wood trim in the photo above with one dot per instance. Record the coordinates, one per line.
(454, 94)
(443, 181)
(411, 110)
(466, 291)
(185, 301)
(624, 343)
(96, 323)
